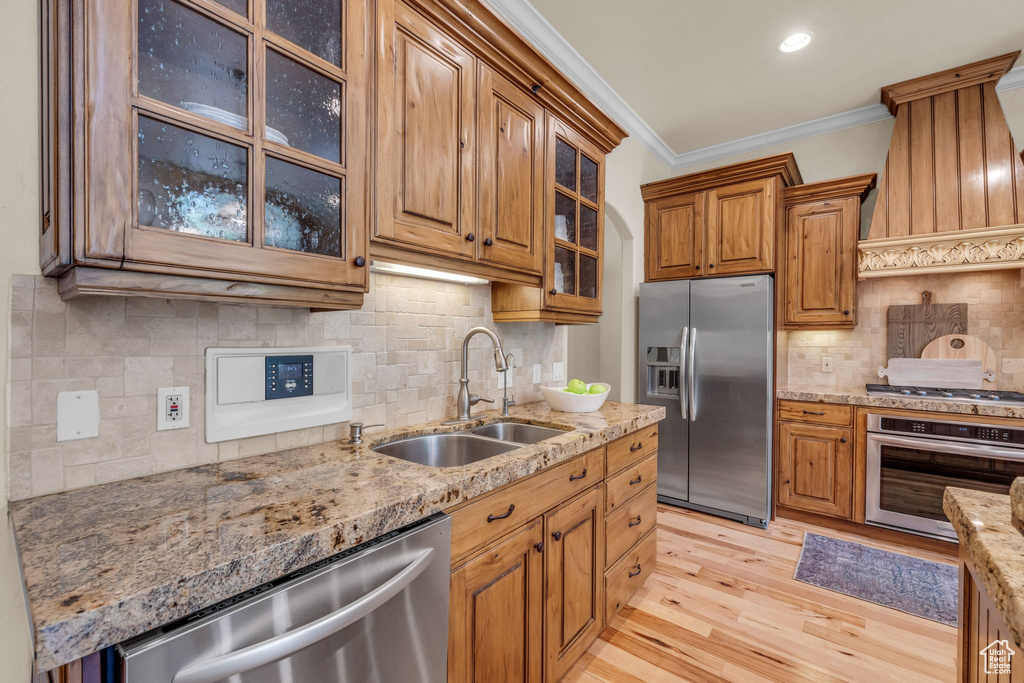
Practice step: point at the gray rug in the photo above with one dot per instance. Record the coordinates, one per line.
(912, 585)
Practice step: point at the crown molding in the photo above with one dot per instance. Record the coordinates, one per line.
(964, 76)
(955, 251)
(533, 27)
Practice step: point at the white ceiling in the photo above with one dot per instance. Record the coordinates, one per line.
(704, 72)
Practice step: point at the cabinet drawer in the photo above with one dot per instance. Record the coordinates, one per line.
(630, 481)
(630, 523)
(520, 502)
(628, 574)
(818, 413)
(629, 449)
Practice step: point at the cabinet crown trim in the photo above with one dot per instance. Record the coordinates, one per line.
(783, 165)
(850, 186)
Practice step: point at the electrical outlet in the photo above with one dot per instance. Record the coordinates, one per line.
(558, 372)
(171, 408)
(826, 364)
(536, 373)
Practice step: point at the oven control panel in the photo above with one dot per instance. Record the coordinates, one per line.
(956, 430)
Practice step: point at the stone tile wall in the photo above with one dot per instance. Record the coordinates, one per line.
(995, 313)
(406, 343)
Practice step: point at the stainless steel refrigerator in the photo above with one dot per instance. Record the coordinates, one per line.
(706, 352)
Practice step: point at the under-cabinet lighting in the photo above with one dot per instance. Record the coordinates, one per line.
(797, 41)
(426, 273)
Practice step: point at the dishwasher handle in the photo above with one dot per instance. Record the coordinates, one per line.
(278, 647)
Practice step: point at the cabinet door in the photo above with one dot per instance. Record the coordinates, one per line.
(574, 566)
(224, 143)
(741, 227)
(425, 118)
(497, 606)
(511, 138)
(816, 469)
(821, 265)
(675, 237)
(572, 278)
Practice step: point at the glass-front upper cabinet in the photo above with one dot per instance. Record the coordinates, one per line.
(576, 214)
(227, 138)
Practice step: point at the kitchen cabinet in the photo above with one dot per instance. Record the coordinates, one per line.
(820, 246)
(207, 150)
(718, 222)
(815, 462)
(980, 627)
(574, 228)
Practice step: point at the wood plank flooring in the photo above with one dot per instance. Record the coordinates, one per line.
(722, 605)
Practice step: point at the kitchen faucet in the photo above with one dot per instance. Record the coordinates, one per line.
(467, 400)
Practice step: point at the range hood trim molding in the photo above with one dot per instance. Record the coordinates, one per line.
(942, 252)
(975, 73)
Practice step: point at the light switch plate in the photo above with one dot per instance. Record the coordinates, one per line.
(536, 373)
(171, 408)
(558, 372)
(78, 415)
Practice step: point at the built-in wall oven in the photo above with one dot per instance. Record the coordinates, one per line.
(911, 461)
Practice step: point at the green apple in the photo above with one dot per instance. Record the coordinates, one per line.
(568, 390)
(577, 386)
(598, 388)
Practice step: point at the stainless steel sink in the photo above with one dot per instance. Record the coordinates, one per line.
(517, 432)
(445, 450)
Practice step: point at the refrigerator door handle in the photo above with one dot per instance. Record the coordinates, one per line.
(691, 378)
(683, 405)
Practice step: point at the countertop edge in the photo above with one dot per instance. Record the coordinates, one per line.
(859, 397)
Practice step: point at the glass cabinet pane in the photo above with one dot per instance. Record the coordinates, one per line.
(311, 24)
(192, 62)
(240, 6)
(565, 164)
(588, 178)
(588, 227)
(303, 209)
(303, 108)
(565, 218)
(565, 270)
(191, 183)
(588, 276)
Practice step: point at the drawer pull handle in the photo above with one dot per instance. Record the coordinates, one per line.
(632, 574)
(574, 477)
(637, 447)
(638, 519)
(557, 535)
(638, 479)
(491, 518)
(811, 412)
(539, 546)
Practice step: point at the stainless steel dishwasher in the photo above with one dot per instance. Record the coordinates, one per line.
(374, 613)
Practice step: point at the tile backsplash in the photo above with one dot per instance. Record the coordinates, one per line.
(995, 312)
(406, 343)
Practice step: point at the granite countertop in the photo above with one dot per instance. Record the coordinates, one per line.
(995, 547)
(857, 396)
(106, 563)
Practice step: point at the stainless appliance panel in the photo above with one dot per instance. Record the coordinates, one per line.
(377, 613)
(664, 311)
(732, 341)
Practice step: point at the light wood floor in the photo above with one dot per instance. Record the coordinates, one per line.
(723, 605)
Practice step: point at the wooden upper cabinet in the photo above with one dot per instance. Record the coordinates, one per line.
(511, 140)
(820, 242)
(717, 222)
(426, 136)
(188, 138)
(675, 237)
(741, 227)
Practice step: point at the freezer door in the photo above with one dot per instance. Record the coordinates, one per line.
(730, 429)
(663, 323)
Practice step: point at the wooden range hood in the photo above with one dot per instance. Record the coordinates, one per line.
(951, 197)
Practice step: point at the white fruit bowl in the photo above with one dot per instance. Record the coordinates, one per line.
(567, 402)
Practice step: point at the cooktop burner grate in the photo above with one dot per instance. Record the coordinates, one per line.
(974, 395)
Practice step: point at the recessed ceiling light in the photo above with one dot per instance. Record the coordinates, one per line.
(797, 41)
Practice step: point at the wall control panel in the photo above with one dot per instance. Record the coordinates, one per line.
(250, 392)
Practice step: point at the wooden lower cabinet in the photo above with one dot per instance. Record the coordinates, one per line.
(816, 468)
(497, 610)
(983, 633)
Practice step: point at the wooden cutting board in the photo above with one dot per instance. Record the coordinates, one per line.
(912, 327)
(962, 347)
(931, 372)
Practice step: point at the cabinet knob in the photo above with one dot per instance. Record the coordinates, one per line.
(846, 313)
(462, 145)
(842, 440)
(712, 265)
(539, 546)
(360, 261)
(552, 291)
(535, 88)
(557, 535)
(489, 242)
(470, 237)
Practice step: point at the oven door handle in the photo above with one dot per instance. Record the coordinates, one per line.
(937, 445)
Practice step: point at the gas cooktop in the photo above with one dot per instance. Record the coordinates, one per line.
(938, 393)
